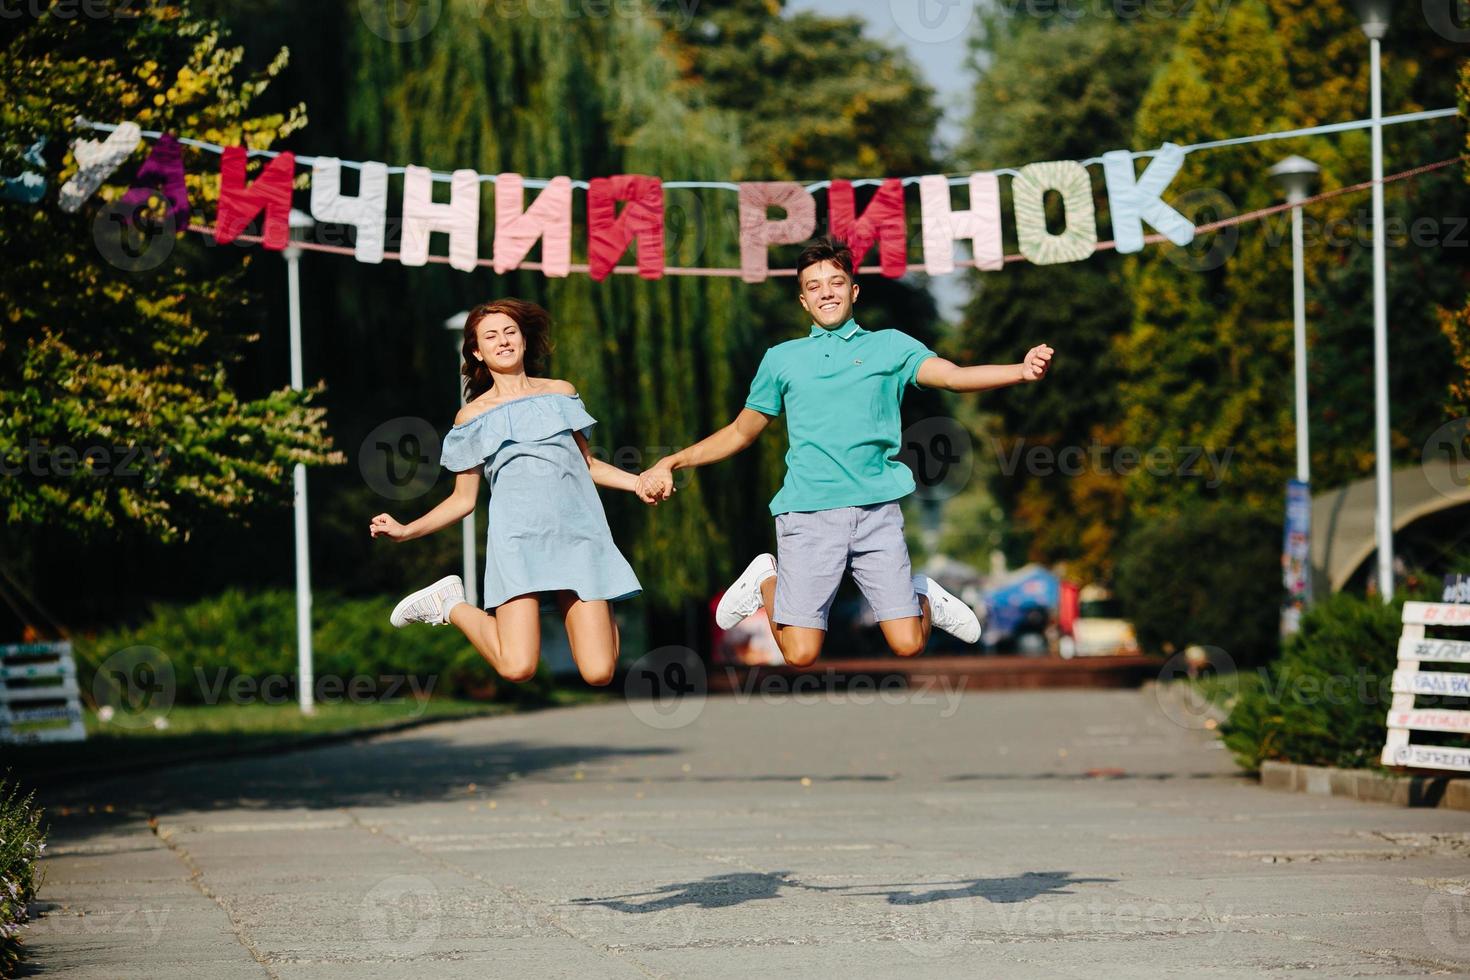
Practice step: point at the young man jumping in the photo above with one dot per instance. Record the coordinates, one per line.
(840, 387)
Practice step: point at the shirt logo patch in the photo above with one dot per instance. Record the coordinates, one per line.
(858, 361)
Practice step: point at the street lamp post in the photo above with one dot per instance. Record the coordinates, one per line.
(1374, 15)
(301, 225)
(1295, 175)
(455, 324)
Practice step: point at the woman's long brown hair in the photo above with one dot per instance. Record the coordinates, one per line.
(535, 324)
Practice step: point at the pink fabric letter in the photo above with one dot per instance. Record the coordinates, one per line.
(758, 232)
(610, 233)
(883, 222)
(942, 225)
(517, 227)
(239, 203)
(163, 172)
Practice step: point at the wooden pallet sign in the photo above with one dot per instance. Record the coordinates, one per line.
(38, 688)
(1409, 680)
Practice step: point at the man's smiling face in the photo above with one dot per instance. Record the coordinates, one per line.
(828, 294)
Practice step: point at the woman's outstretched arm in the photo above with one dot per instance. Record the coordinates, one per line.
(604, 474)
(454, 508)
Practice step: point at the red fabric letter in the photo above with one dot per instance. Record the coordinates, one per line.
(239, 204)
(610, 233)
(883, 222)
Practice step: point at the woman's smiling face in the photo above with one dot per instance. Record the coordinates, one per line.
(501, 343)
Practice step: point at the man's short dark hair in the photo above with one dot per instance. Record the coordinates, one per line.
(825, 250)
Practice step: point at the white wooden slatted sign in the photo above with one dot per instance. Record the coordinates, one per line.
(38, 688)
(1409, 680)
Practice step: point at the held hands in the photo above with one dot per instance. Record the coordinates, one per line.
(385, 526)
(655, 484)
(1036, 363)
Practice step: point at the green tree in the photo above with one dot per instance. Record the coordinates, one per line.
(95, 356)
(1096, 69)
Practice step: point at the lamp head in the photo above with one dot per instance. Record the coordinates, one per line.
(1375, 16)
(1295, 176)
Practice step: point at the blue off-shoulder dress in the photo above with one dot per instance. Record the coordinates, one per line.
(548, 531)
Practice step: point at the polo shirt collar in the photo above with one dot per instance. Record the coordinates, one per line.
(847, 331)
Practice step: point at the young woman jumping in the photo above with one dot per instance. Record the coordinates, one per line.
(548, 533)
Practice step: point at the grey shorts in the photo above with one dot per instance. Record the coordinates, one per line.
(814, 549)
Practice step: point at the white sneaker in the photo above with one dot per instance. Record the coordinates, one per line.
(430, 605)
(744, 597)
(947, 612)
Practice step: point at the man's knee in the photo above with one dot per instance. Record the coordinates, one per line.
(598, 676)
(802, 651)
(907, 643)
(519, 670)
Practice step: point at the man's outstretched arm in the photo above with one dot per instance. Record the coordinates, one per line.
(936, 372)
(658, 479)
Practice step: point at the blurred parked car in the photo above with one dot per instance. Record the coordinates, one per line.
(1098, 629)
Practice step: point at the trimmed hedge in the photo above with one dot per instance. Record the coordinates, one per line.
(21, 842)
(1325, 701)
(247, 638)
(1210, 576)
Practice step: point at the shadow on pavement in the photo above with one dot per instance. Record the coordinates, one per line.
(727, 890)
(424, 768)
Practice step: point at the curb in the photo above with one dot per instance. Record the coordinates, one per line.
(1368, 786)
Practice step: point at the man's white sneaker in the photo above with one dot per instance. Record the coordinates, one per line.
(744, 597)
(947, 612)
(430, 605)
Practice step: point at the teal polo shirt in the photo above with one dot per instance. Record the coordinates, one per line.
(840, 390)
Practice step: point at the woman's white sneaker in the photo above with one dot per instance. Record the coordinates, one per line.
(430, 605)
(744, 597)
(947, 612)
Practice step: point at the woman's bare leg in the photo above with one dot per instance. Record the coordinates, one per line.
(510, 640)
(593, 634)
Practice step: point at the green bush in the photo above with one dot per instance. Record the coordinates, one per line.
(252, 635)
(1325, 701)
(1209, 577)
(21, 842)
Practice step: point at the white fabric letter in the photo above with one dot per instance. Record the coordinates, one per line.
(367, 212)
(460, 218)
(942, 225)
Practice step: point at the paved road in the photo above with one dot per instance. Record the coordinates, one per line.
(930, 836)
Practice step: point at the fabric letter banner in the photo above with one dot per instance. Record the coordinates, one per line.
(460, 218)
(980, 224)
(367, 212)
(239, 203)
(883, 222)
(758, 232)
(163, 173)
(1028, 191)
(610, 233)
(96, 162)
(517, 227)
(1134, 201)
